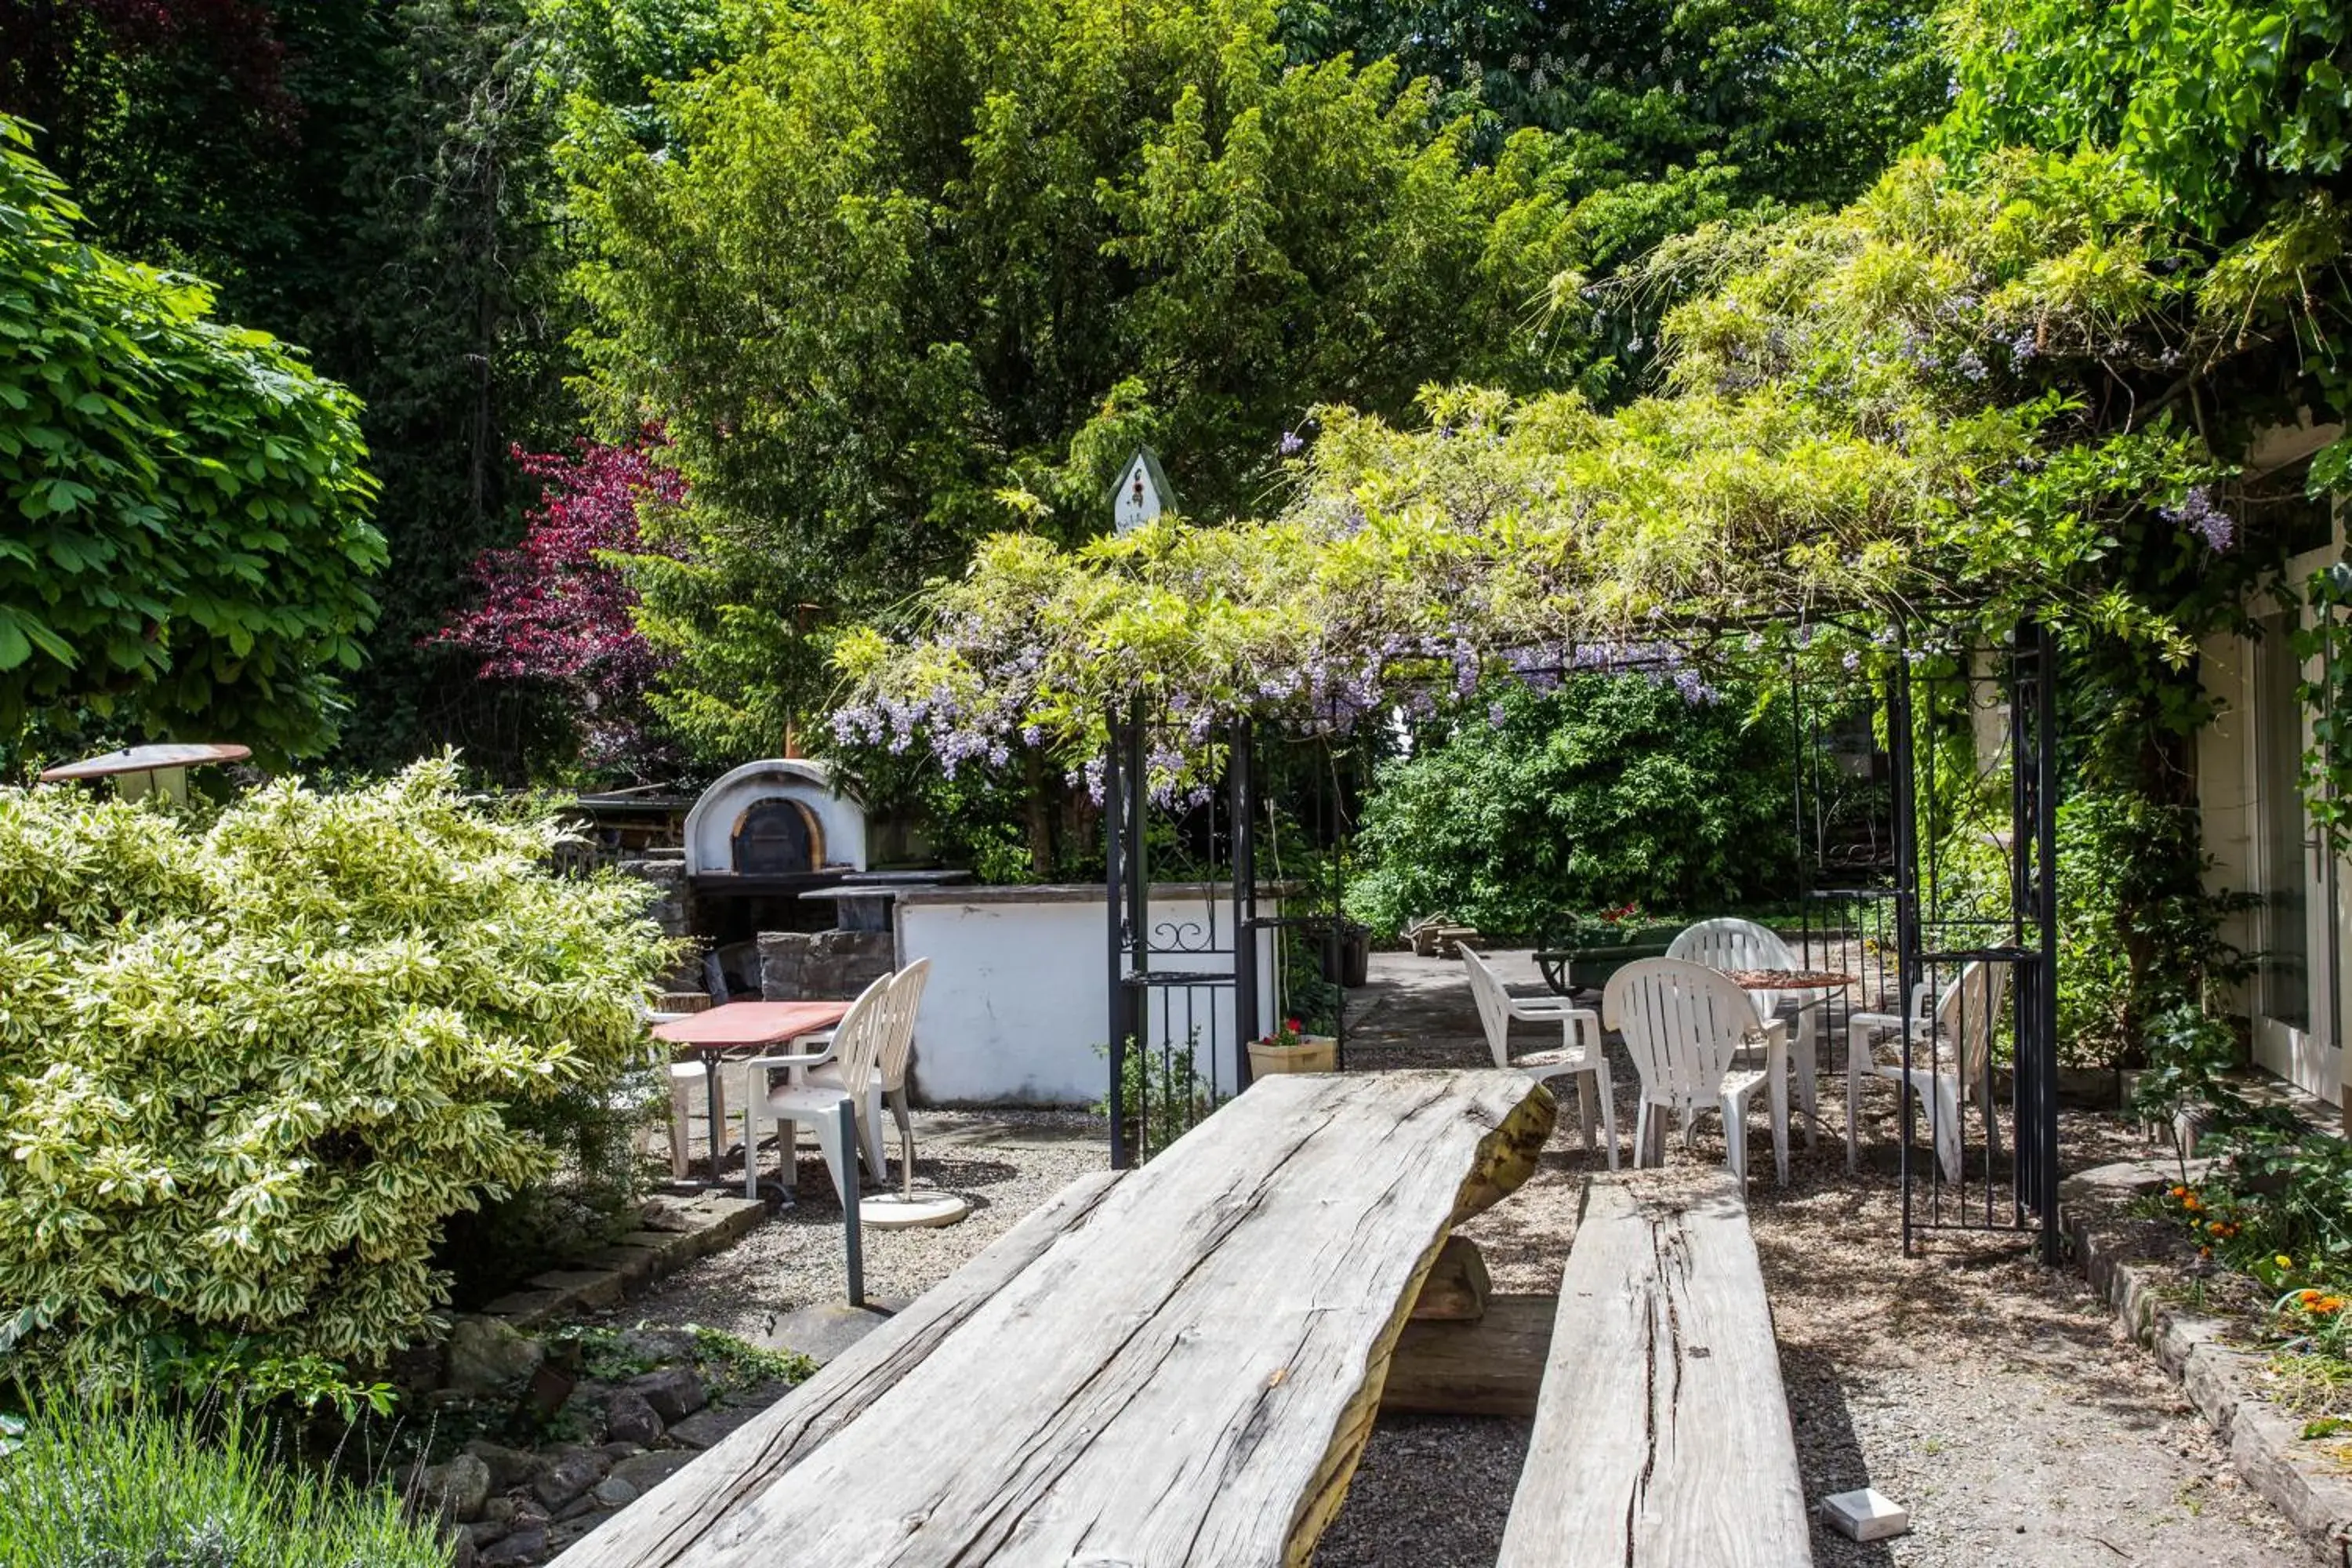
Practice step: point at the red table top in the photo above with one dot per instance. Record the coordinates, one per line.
(751, 1022)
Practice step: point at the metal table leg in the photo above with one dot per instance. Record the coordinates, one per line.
(710, 1101)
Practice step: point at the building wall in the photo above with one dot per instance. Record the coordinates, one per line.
(1019, 997)
(2236, 818)
(2225, 789)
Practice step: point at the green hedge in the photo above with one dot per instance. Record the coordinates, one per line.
(249, 1065)
(1613, 790)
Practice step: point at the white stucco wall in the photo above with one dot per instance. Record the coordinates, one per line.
(1019, 994)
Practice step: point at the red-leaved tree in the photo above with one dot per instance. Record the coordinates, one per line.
(553, 610)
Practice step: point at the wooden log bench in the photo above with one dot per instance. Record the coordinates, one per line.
(1179, 1365)
(1662, 1428)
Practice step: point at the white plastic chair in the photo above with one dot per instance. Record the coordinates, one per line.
(1581, 1053)
(1727, 942)
(687, 1090)
(890, 1076)
(857, 1052)
(1956, 1039)
(1683, 1025)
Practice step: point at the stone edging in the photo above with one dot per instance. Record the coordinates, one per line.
(2265, 1444)
(675, 1232)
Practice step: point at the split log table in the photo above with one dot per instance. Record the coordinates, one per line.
(1177, 1365)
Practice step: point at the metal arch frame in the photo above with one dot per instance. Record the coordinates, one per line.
(1148, 960)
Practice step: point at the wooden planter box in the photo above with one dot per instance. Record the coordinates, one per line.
(1314, 1053)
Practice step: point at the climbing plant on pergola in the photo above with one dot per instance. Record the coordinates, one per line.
(1885, 415)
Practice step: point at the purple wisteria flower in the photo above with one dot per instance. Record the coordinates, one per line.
(2197, 514)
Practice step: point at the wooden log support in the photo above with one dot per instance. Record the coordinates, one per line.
(1662, 1434)
(1488, 1365)
(1457, 1286)
(1179, 1367)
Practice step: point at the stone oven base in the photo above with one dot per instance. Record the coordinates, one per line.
(822, 966)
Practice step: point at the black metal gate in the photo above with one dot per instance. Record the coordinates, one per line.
(1952, 931)
(1194, 978)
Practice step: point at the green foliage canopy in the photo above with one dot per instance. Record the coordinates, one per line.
(1786, 100)
(368, 179)
(188, 547)
(250, 1067)
(1865, 411)
(909, 273)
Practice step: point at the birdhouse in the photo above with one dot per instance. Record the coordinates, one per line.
(1143, 492)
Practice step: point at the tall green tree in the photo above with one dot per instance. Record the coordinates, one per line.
(368, 178)
(909, 271)
(186, 551)
(1797, 100)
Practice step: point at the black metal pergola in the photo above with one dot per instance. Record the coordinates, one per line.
(1957, 881)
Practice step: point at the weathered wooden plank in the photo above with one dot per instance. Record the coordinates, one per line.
(1457, 1285)
(1662, 1438)
(1489, 1365)
(1189, 1377)
(661, 1527)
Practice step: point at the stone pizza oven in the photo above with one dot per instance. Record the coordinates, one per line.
(770, 821)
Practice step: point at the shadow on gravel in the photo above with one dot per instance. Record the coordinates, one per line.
(1829, 1454)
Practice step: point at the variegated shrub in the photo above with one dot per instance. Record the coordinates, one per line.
(251, 1061)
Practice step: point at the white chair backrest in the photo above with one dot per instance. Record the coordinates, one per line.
(859, 1039)
(1493, 1006)
(1683, 1025)
(1966, 1012)
(1728, 943)
(906, 1001)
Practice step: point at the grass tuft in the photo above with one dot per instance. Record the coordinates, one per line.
(114, 1484)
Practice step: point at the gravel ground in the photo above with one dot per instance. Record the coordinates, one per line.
(1005, 1162)
(1991, 1397)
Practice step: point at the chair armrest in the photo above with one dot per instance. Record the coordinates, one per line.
(797, 1059)
(1544, 1009)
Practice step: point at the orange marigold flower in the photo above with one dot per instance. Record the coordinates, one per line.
(2190, 1202)
(2330, 1304)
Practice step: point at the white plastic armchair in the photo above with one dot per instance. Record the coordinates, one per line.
(686, 1085)
(1727, 942)
(855, 1055)
(1955, 1038)
(1581, 1053)
(889, 1079)
(1684, 1025)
